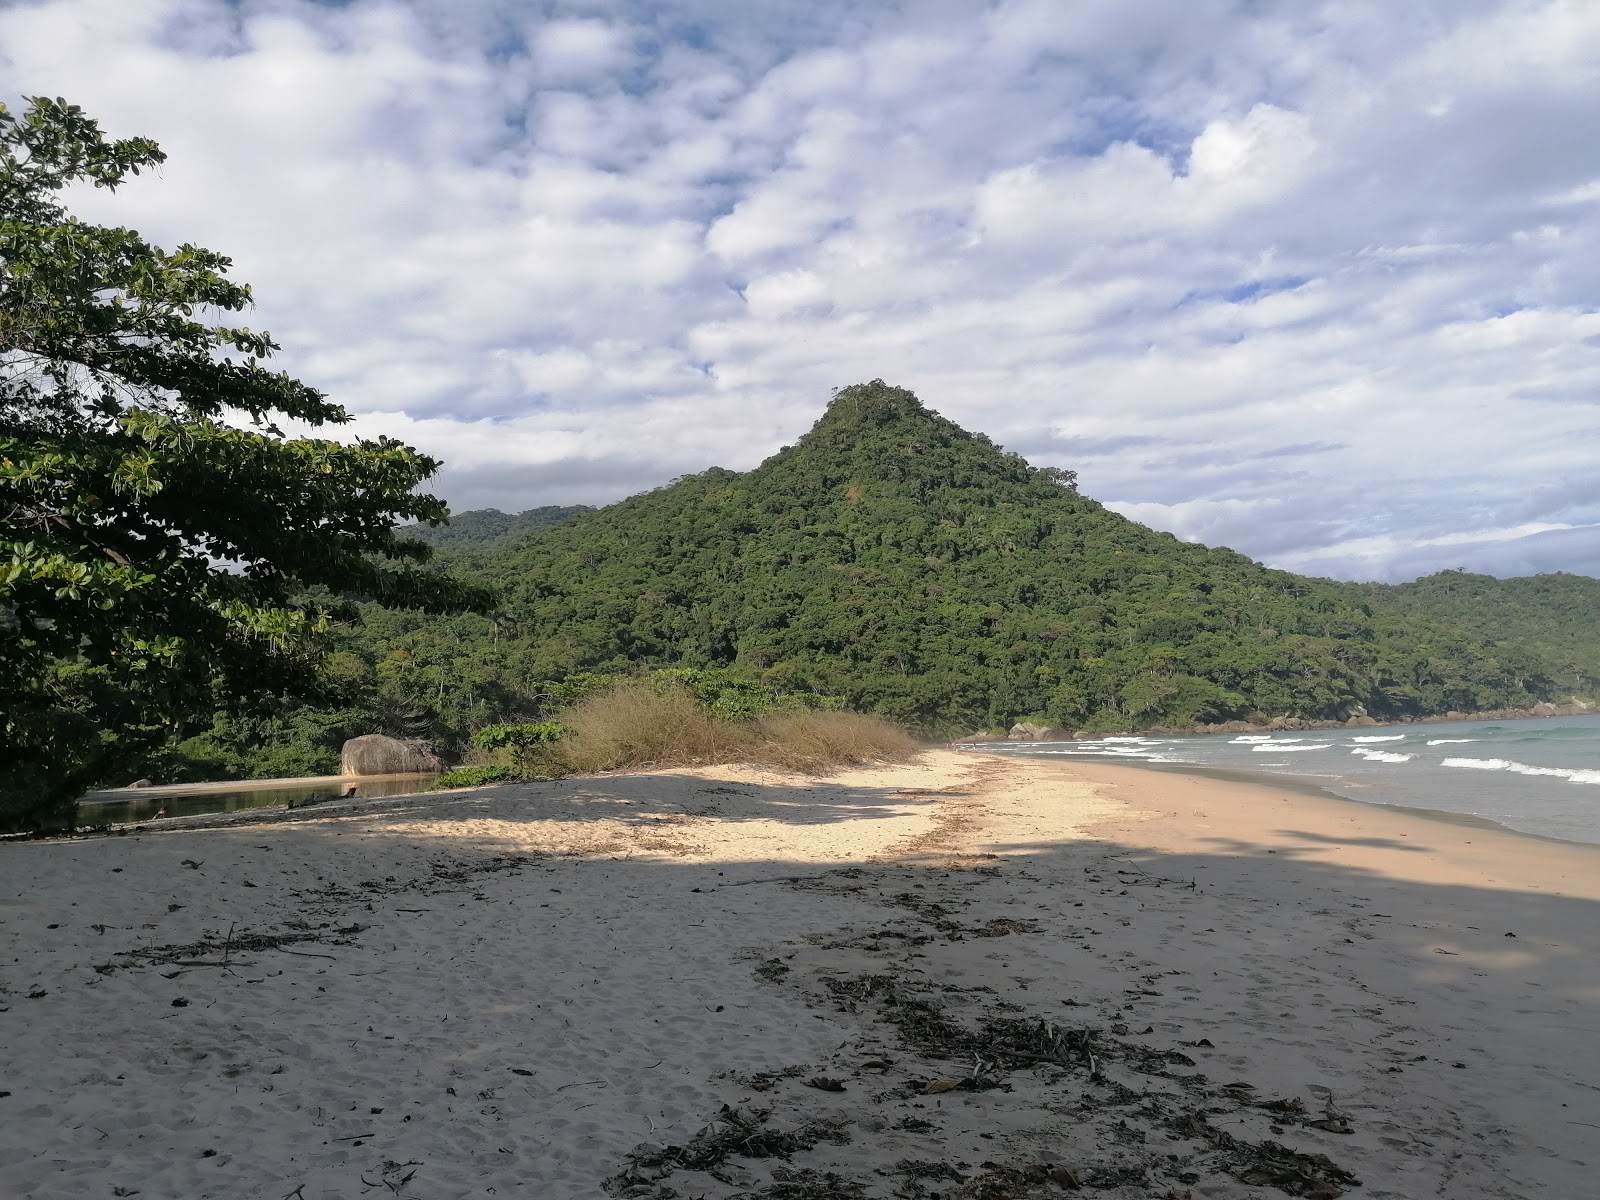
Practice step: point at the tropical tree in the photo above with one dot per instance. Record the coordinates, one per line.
(166, 550)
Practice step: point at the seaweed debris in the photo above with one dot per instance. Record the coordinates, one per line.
(731, 1133)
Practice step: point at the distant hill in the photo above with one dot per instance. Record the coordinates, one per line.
(917, 569)
(1557, 615)
(481, 527)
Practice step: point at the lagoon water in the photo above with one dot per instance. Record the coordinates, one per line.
(1539, 776)
(194, 799)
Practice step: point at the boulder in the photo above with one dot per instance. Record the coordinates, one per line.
(1362, 721)
(1544, 710)
(375, 754)
(1229, 727)
(1028, 731)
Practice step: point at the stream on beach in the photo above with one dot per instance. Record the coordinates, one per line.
(126, 805)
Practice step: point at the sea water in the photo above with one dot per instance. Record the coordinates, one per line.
(1539, 776)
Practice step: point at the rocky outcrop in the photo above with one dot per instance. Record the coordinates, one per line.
(1028, 731)
(375, 754)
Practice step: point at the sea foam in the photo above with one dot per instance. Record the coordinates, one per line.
(1397, 737)
(1507, 764)
(1387, 756)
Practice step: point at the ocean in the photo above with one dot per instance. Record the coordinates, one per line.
(1538, 776)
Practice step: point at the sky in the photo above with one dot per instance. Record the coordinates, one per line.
(1316, 281)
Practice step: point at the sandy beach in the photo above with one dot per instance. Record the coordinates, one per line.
(970, 976)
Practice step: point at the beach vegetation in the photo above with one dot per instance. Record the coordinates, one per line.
(655, 721)
(525, 745)
(477, 775)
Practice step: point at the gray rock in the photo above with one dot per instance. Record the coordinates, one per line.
(1027, 731)
(375, 754)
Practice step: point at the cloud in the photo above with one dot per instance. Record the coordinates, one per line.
(1320, 283)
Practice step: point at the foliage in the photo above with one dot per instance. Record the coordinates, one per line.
(1554, 616)
(295, 741)
(734, 695)
(519, 737)
(477, 776)
(485, 527)
(906, 567)
(525, 745)
(166, 550)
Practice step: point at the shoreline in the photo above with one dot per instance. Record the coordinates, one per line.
(1244, 983)
(1307, 785)
(1575, 708)
(1507, 854)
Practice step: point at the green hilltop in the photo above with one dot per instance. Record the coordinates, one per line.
(917, 570)
(1556, 616)
(481, 528)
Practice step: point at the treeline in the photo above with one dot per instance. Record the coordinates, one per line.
(1555, 616)
(917, 571)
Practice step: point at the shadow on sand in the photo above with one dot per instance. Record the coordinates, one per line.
(1018, 1020)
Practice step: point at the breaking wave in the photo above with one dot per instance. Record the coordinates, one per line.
(1574, 775)
(1387, 756)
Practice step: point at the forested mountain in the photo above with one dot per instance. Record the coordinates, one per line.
(916, 570)
(1556, 615)
(481, 528)
(919, 571)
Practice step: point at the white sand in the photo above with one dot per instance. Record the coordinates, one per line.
(546, 976)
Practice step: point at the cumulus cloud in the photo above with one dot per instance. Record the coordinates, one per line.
(1319, 283)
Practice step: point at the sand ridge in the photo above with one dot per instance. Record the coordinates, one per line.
(1024, 980)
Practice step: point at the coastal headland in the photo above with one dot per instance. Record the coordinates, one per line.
(968, 976)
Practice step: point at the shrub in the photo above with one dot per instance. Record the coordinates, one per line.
(529, 747)
(651, 723)
(643, 725)
(476, 777)
(821, 741)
